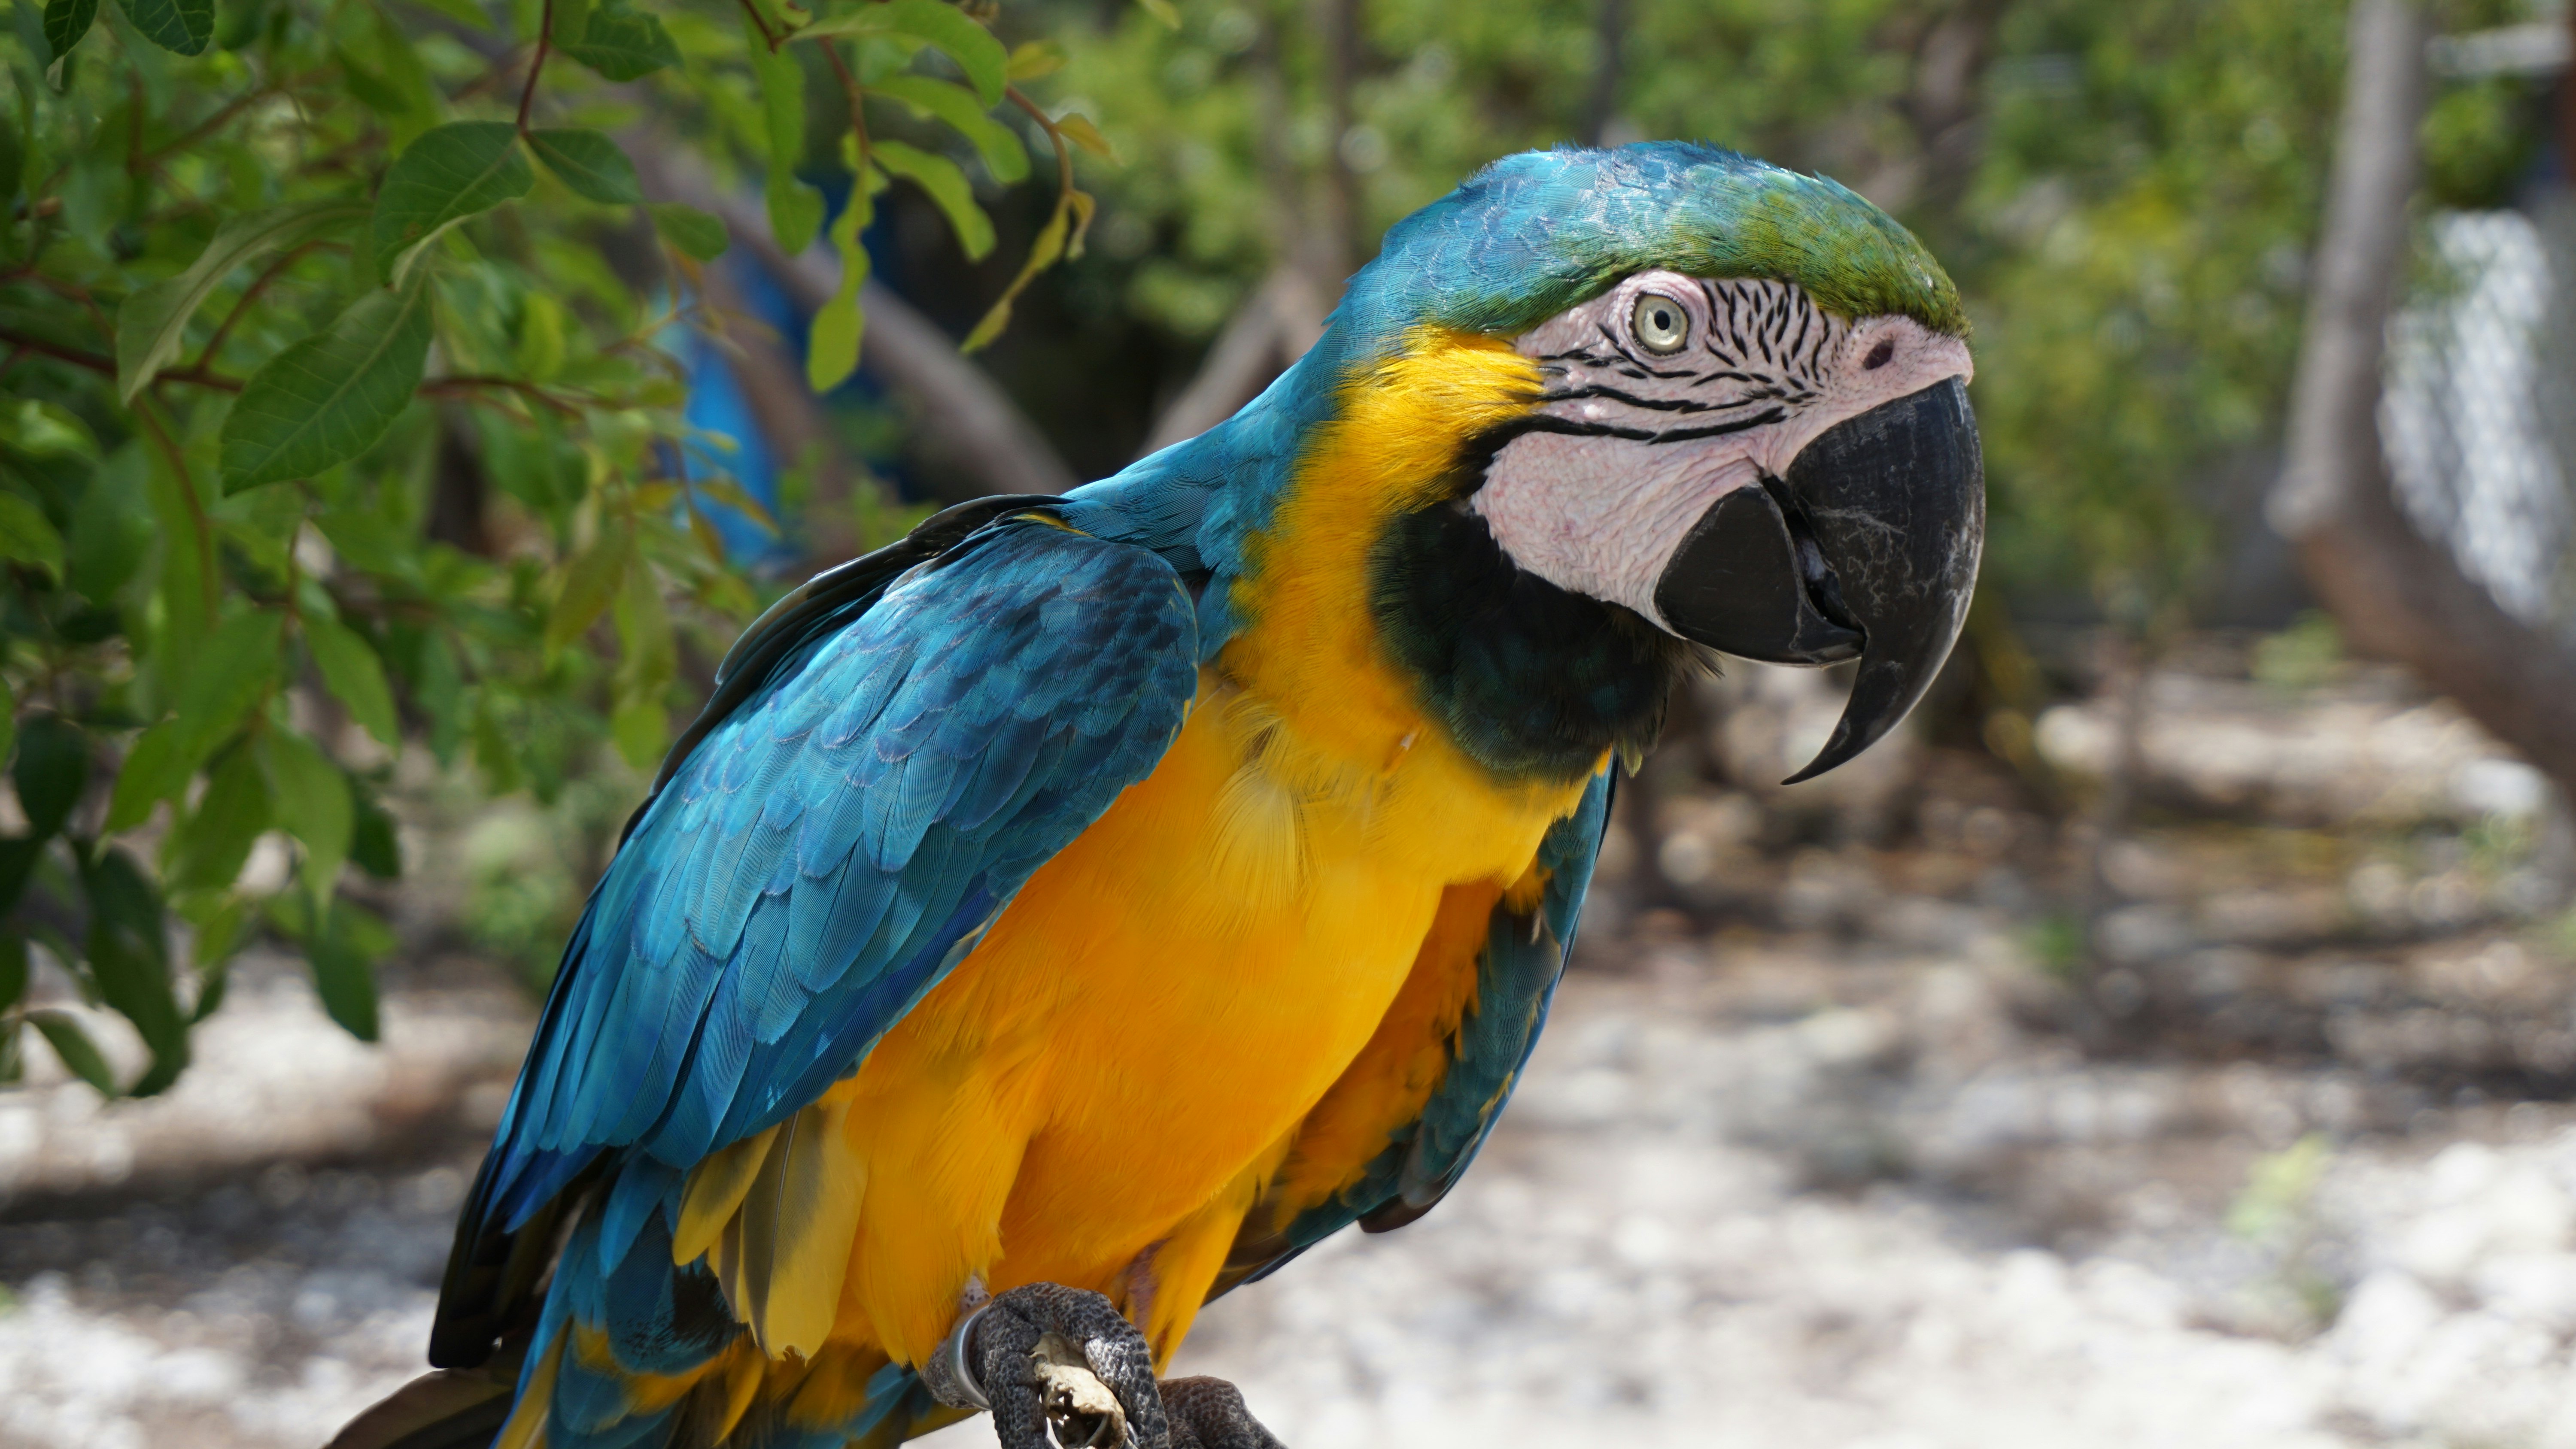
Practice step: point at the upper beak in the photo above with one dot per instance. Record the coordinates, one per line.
(1867, 549)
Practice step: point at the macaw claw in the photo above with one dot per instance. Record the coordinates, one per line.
(1209, 1414)
(1061, 1366)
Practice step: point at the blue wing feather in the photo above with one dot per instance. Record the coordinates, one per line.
(833, 844)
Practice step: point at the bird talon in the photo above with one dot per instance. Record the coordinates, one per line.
(1058, 1368)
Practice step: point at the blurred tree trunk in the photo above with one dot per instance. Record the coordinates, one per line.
(1610, 36)
(2394, 593)
(1267, 333)
(1315, 212)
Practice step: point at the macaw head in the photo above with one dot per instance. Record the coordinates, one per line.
(1745, 417)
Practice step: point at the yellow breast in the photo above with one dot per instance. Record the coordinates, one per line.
(1104, 1082)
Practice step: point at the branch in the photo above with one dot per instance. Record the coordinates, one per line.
(972, 420)
(2394, 593)
(1268, 333)
(97, 362)
(537, 67)
(215, 345)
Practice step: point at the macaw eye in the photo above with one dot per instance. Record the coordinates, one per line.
(1660, 323)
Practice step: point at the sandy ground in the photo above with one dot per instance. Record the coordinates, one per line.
(1780, 1188)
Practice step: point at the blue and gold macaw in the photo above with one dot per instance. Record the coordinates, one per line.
(1087, 904)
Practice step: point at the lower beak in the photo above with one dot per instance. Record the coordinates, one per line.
(1867, 550)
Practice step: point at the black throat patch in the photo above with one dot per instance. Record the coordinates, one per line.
(1532, 681)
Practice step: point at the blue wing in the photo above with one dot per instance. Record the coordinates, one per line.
(902, 756)
(1516, 974)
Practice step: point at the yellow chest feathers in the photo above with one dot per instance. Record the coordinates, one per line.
(1335, 756)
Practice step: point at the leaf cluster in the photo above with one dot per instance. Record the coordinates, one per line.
(343, 419)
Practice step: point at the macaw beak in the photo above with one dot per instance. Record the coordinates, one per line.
(1867, 550)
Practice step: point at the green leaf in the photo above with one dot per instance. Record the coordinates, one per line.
(1078, 129)
(571, 22)
(343, 952)
(180, 26)
(374, 845)
(731, 495)
(355, 676)
(154, 770)
(622, 44)
(13, 969)
(832, 343)
(408, 76)
(8, 726)
(154, 320)
(128, 950)
(589, 163)
(463, 12)
(312, 804)
(641, 730)
(1005, 155)
(121, 898)
(696, 233)
(63, 1033)
(66, 21)
(27, 536)
(111, 533)
(207, 853)
(234, 669)
(13, 156)
(943, 26)
(238, 664)
(328, 398)
(1162, 10)
(440, 689)
(18, 857)
(51, 772)
(1044, 253)
(365, 86)
(1035, 58)
(795, 209)
(947, 186)
(461, 169)
(589, 584)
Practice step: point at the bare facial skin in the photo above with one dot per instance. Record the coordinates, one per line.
(1668, 392)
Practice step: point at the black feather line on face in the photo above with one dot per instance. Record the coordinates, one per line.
(1532, 681)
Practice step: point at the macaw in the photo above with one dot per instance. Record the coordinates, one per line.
(1082, 907)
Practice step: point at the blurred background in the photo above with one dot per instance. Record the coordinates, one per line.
(2170, 1036)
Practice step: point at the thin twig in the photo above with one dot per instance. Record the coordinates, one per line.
(223, 113)
(95, 362)
(858, 115)
(224, 329)
(757, 23)
(1063, 154)
(537, 67)
(471, 383)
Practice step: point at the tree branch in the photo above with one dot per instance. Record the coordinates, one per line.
(537, 66)
(2394, 593)
(976, 423)
(99, 362)
(1270, 331)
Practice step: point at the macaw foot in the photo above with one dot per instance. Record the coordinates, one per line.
(1062, 1367)
(1209, 1414)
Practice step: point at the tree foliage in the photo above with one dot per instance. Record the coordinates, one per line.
(2126, 194)
(281, 284)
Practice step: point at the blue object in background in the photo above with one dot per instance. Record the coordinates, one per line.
(719, 404)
